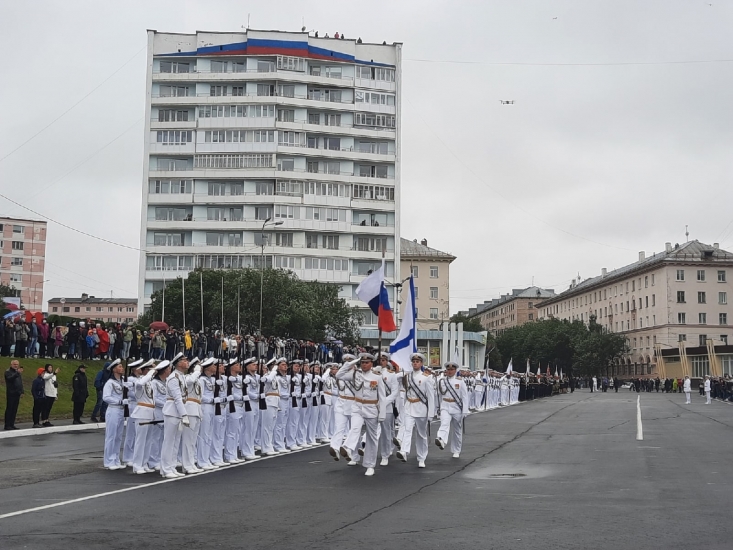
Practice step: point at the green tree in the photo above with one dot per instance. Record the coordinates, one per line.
(231, 298)
(469, 325)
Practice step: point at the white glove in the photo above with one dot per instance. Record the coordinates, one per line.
(128, 384)
(197, 368)
(262, 396)
(220, 382)
(125, 401)
(230, 398)
(232, 378)
(185, 421)
(217, 400)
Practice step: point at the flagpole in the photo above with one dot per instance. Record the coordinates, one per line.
(183, 298)
(379, 326)
(201, 279)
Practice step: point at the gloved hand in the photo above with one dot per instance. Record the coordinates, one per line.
(220, 382)
(125, 401)
(230, 398)
(218, 400)
(185, 421)
(232, 378)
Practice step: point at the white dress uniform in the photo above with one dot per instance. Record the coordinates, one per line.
(193, 410)
(419, 410)
(115, 421)
(144, 412)
(387, 432)
(342, 414)
(707, 391)
(269, 416)
(129, 449)
(687, 388)
(235, 404)
(160, 395)
(368, 410)
(306, 404)
(296, 410)
(314, 406)
(173, 412)
(283, 413)
(325, 409)
(208, 411)
(250, 416)
(218, 432)
(453, 409)
(504, 399)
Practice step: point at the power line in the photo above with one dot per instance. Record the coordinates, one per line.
(70, 108)
(610, 64)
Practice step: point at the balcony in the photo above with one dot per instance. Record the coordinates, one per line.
(198, 75)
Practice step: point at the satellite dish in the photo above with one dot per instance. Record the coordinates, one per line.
(63, 300)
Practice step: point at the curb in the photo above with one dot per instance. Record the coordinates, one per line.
(52, 429)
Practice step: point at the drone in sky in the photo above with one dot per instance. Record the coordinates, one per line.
(506, 101)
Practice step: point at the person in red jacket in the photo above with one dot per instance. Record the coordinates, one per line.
(103, 341)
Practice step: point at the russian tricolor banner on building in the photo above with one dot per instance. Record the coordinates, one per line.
(373, 292)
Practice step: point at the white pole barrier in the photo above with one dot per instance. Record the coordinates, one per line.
(639, 429)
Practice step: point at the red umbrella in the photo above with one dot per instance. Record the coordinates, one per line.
(11, 307)
(158, 325)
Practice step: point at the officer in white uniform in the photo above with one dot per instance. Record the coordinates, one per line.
(707, 390)
(160, 396)
(176, 419)
(216, 453)
(295, 412)
(342, 411)
(235, 403)
(269, 416)
(131, 424)
(283, 387)
(392, 391)
(193, 411)
(314, 404)
(453, 409)
(115, 417)
(143, 414)
(250, 414)
(419, 409)
(325, 409)
(367, 411)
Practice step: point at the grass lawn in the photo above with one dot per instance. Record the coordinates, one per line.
(63, 407)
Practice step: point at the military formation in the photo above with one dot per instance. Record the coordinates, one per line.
(186, 416)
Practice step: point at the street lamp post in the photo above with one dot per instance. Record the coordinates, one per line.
(35, 289)
(262, 265)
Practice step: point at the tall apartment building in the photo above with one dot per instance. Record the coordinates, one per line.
(273, 145)
(672, 307)
(511, 310)
(430, 269)
(23, 259)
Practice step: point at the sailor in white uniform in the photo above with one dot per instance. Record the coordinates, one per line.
(115, 417)
(418, 411)
(210, 403)
(143, 414)
(453, 409)
(270, 391)
(251, 412)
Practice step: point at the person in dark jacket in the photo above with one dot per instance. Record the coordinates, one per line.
(100, 408)
(72, 341)
(39, 397)
(13, 392)
(8, 338)
(80, 392)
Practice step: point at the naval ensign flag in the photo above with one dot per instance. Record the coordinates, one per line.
(406, 342)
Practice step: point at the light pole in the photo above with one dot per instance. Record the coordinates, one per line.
(35, 289)
(262, 265)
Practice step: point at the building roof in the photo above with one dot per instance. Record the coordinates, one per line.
(692, 252)
(530, 292)
(92, 300)
(414, 249)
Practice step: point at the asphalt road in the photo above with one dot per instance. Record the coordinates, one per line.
(565, 472)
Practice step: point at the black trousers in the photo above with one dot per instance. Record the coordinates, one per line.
(78, 410)
(11, 409)
(41, 349)
(39, 405)
(47, 409)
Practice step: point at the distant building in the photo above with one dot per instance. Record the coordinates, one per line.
(431, 271)
(672, 307)
(23, 259)
(109, 310)
(510, 310)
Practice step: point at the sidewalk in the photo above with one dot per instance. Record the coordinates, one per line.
(62, 425)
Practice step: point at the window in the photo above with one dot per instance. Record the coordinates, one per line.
(724, 339)
(174, 91)
(723, 318)
(701, 275)
(722, 298)
(218, 66)
(531, 316)
(88, 308)
(172, 115)
(284, 239)
(17, 245)
(416, 292)
(703, 318)
(218, 90)
(311, 240)
(433, 312)
(703, 339)
(654, 300)
(331, 242)
(721, 276)
(65, 309)
(681, 318)
(54, 309)
(433, 271)
(16, 261)
(286, 115)
(18, 229)
(414, 271)
(700, 297)
(288, 63)
(263, 213)
(174, 67)
(374, 120)
(680, 275)
(433, 292)
(168, 239)
(681, 337)
(16, 278)
(680, 296)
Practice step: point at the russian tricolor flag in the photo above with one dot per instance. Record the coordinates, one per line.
(373, 292)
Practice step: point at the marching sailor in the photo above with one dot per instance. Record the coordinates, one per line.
(392, 390)
(251, 397)
(115, 417)
(419, 409)
(342, 411)
(270, 392)
(368, 409)
(193, 411)
(160, 395)
(216, 453)
(453, 409)
(296, 410)
(234, 418)
(328, 398)
(176, 419)
(209, 405)
(283, 388)
(143, 414)
(314, 405)
(129, 383)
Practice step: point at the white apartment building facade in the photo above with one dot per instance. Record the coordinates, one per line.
(273, 147)
(673, 308)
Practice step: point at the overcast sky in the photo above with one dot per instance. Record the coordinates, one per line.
(615, 142)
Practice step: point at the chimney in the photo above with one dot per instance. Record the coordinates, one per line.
(84, 296)
(603, 272)
(716, 246)
(668, 247)
(641, 256)
(424, 242)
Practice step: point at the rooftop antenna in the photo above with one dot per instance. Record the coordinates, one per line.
(687, 235)
(532, 280)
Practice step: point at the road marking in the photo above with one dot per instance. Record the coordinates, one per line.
(639, 428)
